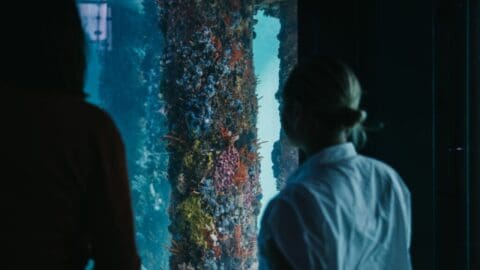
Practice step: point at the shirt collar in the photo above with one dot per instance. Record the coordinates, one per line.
(327, 155)
(333, 154)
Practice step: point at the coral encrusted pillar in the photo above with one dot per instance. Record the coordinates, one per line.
(209, 86)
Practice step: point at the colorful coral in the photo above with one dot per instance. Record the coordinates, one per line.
(196, 221)
(225, 169)
(209, 88)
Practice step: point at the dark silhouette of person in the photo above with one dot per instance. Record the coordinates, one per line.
(339, 210)
(65, 195)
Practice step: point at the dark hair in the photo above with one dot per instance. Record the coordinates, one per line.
(329, 91)
(43, 47)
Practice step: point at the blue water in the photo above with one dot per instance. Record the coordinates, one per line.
(92, 80)
(267, 65)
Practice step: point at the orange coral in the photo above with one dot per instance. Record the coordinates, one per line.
(241, 176)
(248, 75)
(223, 237)
(241, 252)
(218, 46)
(250, 157)
(245, 253)
(227, 19)
(217, 42)
(238, 241)
(238, 233)
(237, 54)
(218, 251)
(226, 134)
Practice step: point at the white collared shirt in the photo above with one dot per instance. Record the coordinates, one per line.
(339, 211)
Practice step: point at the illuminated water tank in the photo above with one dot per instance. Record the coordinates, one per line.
(97, 22)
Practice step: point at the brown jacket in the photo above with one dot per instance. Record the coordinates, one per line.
(65, 194)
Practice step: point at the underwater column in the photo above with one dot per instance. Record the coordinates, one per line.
(209, 88)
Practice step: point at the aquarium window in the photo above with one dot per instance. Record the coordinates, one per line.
(131, 81)
(267, 65)
(96, 19)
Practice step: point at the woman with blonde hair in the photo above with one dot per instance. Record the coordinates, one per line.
(339, 210)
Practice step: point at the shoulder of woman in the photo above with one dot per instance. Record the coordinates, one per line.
(388, 172)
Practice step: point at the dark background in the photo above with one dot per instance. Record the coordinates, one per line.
(418, 64)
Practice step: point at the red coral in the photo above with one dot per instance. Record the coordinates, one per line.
(217, 251)
(237, 55)
(217, 43)
(248, 75)
(241, 176)
(226, 134)
(251, 157)
(238, 241)
(227, 19)
(240, 251)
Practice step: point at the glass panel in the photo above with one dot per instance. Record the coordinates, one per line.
(94, 17)
(125, 82)
(267, 64)
(131, 81)
(174, 142)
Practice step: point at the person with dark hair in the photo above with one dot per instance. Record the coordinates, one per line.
(65, 195)
(339, 210)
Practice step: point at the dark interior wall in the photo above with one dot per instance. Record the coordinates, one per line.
(457, 132)
(475, 134)
(451, 76)
(390, 45)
